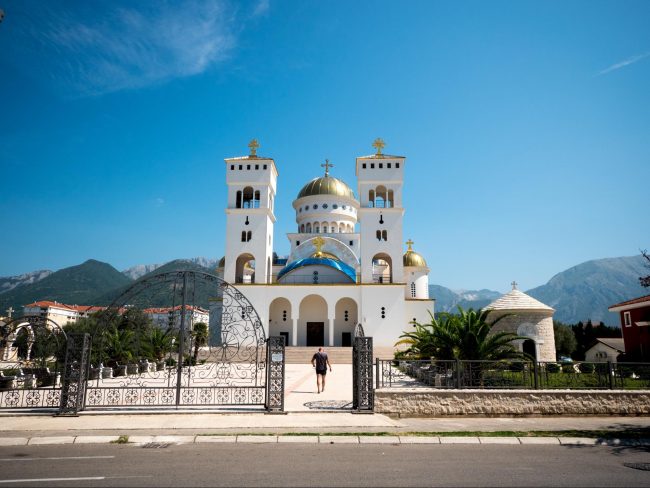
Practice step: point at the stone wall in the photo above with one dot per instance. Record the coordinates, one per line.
(537, 325)
(430, 402)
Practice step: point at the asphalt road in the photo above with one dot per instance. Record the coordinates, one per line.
(322, 465)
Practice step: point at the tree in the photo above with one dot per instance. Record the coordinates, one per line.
(565, 339)
(467, 336)
(200, 337)
(645, 280)
(158, 343)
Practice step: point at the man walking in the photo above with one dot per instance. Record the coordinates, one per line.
(320, 361)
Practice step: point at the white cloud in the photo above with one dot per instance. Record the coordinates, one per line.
(129, 48)
(625, 62)
(261, 8)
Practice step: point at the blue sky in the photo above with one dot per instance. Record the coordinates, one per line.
(526, 125)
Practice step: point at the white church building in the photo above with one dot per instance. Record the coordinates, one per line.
(347, 263)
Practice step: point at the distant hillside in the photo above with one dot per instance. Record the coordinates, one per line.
(586, 291)
(156, 296)
(8, 283)
(76, 285)
(139, 270)
(448, 300)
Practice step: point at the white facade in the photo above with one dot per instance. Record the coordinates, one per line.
(347, 264)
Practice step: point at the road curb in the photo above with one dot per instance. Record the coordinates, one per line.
(142, 440)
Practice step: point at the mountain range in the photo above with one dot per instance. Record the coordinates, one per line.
(578, 293)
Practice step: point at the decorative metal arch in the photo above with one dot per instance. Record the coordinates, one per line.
(31, 369)
(229, 370)
(358, 330)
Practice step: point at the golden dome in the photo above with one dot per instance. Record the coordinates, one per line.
(326, 185)
(411, 258)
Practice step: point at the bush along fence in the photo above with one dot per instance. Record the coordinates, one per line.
(459, 374)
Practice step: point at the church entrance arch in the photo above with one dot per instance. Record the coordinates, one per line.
(312, 321)
(280, 320)
(345, 319)
(530, 349)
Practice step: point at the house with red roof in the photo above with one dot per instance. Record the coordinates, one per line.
(635, 325)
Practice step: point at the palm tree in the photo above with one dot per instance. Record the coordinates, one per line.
(466, 336)
(120, 345)
(200, 336)
(157, 343)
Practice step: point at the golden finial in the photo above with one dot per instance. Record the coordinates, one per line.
(379, 144)
(253, 146)
(410, 243)
(319, 242)
(327, 167)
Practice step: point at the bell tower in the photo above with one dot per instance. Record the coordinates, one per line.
(380, 180)
(251, 182)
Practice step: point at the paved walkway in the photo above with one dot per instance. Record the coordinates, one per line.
(300, 389)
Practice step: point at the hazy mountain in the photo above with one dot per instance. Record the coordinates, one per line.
(139, 270)
(156, 295)
(8, 283)
(447, 300)
(76, 285)
(586, 291)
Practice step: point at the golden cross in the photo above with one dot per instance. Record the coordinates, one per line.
(319, 242)
(327, 167)
(253, 145)
(379, 145)
(410, 243)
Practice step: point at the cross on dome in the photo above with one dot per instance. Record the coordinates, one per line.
(514, 285)
(10, 311)
(410, 243)
(327, 167)
(318, 242)
(379, 144)
(253, 146)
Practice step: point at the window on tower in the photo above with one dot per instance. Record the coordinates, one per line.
(249, 234)
(384, 235)
(412, 290)
(243, 236)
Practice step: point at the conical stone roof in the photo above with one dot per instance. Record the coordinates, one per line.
(517, 300)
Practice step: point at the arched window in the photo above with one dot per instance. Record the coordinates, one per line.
(384, 235)
(249, 234)
(390, 202)
(247, 197)
(382, 268)
(371, 198)
(379, 235)
(243, 236)
(380, 196)
(309, 228)
(316, 229)
(256, 199)
(238, 202)
(412, 290)
(302, 228)
(245, 269)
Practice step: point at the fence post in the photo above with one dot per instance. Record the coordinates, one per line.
(535, 374)
(458, 380)
(610, 373)
(377, 373)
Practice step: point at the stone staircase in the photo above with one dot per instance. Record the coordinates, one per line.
(337, 355)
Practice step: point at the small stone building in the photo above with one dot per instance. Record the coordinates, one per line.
(526, 317)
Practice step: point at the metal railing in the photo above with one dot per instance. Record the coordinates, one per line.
(458, 374)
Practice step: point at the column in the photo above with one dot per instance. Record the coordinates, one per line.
(294, 332)
(330, 332)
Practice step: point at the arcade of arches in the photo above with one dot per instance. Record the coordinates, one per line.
(313, 321)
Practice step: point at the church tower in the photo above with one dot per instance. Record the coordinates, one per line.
(380, 181)
(251, 184)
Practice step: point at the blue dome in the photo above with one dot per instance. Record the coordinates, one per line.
(346, 269)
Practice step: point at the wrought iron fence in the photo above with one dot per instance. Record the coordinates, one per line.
(510, 374)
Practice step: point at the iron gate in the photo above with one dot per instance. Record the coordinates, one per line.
(363, 393)
(177, 339)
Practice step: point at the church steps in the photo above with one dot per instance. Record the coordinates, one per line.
(337, 355)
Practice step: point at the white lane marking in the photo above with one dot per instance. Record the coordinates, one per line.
(55, 458)
(48, 480)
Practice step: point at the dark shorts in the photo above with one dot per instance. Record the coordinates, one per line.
(321, 371)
